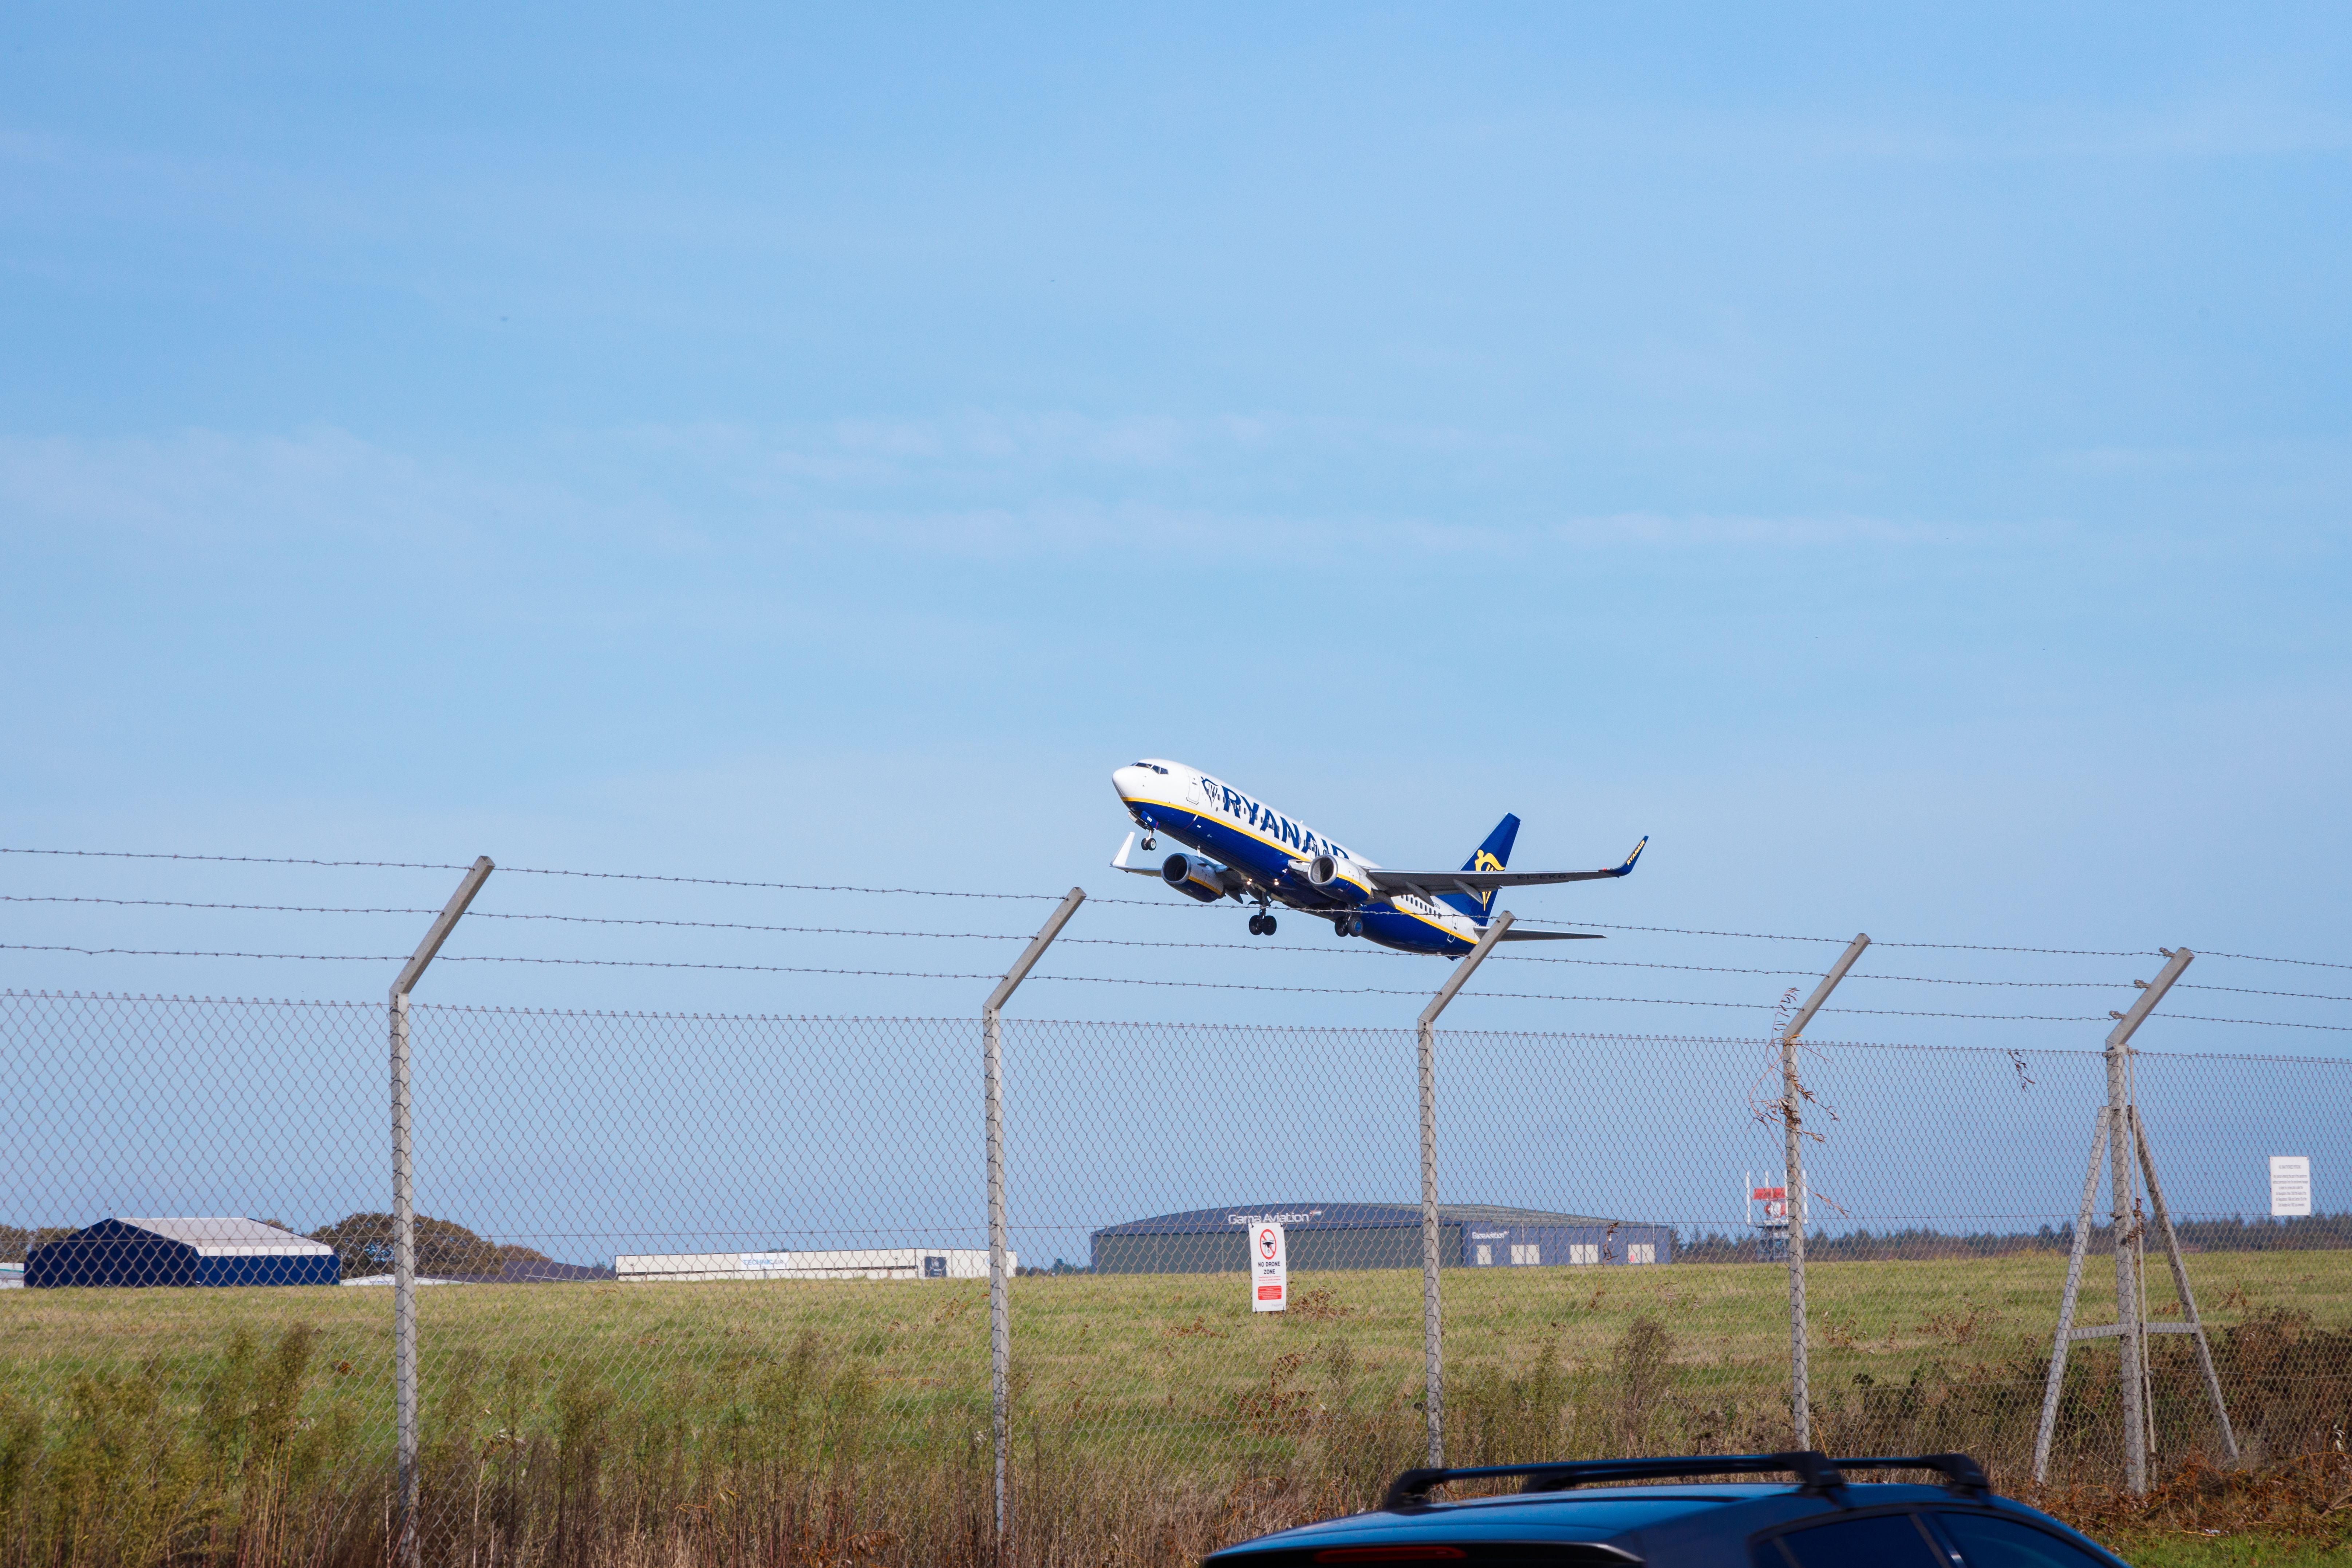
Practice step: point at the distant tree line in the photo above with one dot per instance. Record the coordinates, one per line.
(363, 1244)
(2238, 1234)
(16, 1240)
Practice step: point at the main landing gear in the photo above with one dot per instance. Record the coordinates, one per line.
(1261, 925)
(1348, 925)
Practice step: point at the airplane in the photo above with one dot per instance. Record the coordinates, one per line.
(1245, 850)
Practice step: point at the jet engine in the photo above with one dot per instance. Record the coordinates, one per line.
(1323, 875)
(1195, 876)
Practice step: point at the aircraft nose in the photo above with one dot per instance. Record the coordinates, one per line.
(1128, 780)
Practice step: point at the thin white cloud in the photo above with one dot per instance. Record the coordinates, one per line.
(213, 490)
(1168, 492)
(1809, 532)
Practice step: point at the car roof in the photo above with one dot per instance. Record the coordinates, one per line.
(1593, 1514)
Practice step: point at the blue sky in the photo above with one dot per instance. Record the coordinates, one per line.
(1898, 462)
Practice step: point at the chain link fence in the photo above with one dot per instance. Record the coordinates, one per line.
(717, 1285)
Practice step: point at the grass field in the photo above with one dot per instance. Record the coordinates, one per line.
(2255, 1549)
(1137, 1351)
(1164, 1390)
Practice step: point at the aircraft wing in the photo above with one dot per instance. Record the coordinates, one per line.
(1429, 884)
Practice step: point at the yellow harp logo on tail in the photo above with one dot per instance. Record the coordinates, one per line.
(1485, 861)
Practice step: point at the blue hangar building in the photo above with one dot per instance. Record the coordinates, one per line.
(1378, 1236)
(202, 1251)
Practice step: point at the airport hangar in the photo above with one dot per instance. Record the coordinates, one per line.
(1377, 1235)
(210, 1250)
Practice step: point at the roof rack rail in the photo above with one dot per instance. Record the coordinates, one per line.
(1961, 1474)
(1815, 1471)
(1817, 1474)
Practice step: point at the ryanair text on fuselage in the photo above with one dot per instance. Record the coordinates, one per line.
(1245, 850)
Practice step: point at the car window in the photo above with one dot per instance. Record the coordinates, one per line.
(1988, 1541)
(1880, 1540)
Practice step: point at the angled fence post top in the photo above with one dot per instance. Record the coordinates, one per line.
(443, 925)
(1035, 950)
(1829, 983)
(2127, 1022)
(1469, 961)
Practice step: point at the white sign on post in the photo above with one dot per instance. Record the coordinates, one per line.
(1269, 1267)
(2290, 1185)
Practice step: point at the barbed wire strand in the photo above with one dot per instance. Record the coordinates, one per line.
(190, 904)
(240, 859)
(1140, 903)
(789, 886)
(1842, 940)
(1351, 949)
(520, 872)
(1116, 980)
(2258, 958)
(2246, 991)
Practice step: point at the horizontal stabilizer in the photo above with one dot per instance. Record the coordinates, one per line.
(1516, 934)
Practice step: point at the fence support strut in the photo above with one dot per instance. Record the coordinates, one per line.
(1800, 1393)
(405, 1541)
(1000, 1305)
(2124, 1138)
(1431, 1352)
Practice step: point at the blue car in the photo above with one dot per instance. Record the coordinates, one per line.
(1613, 1513)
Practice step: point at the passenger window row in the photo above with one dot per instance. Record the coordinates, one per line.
(1933, 1538)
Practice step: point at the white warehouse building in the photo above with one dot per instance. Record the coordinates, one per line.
(851, 1263)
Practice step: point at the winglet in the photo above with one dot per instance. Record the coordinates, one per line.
(1636, 855)
(1118, 861)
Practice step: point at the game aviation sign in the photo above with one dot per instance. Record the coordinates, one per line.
(1269, 1267)
(2290, 1186)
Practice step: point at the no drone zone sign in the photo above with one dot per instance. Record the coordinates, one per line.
(1269, 1273)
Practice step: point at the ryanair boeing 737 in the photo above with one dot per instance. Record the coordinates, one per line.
(1245, 850)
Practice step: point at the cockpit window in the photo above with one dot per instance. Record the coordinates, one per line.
(1155, 767)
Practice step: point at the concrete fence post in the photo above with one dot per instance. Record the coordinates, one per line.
(1431, 1325)
(406, 1541)
(999, 1303)
(1800, 1392)
(2122, 1189)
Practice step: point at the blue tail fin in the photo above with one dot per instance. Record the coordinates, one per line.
(1494, 854)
